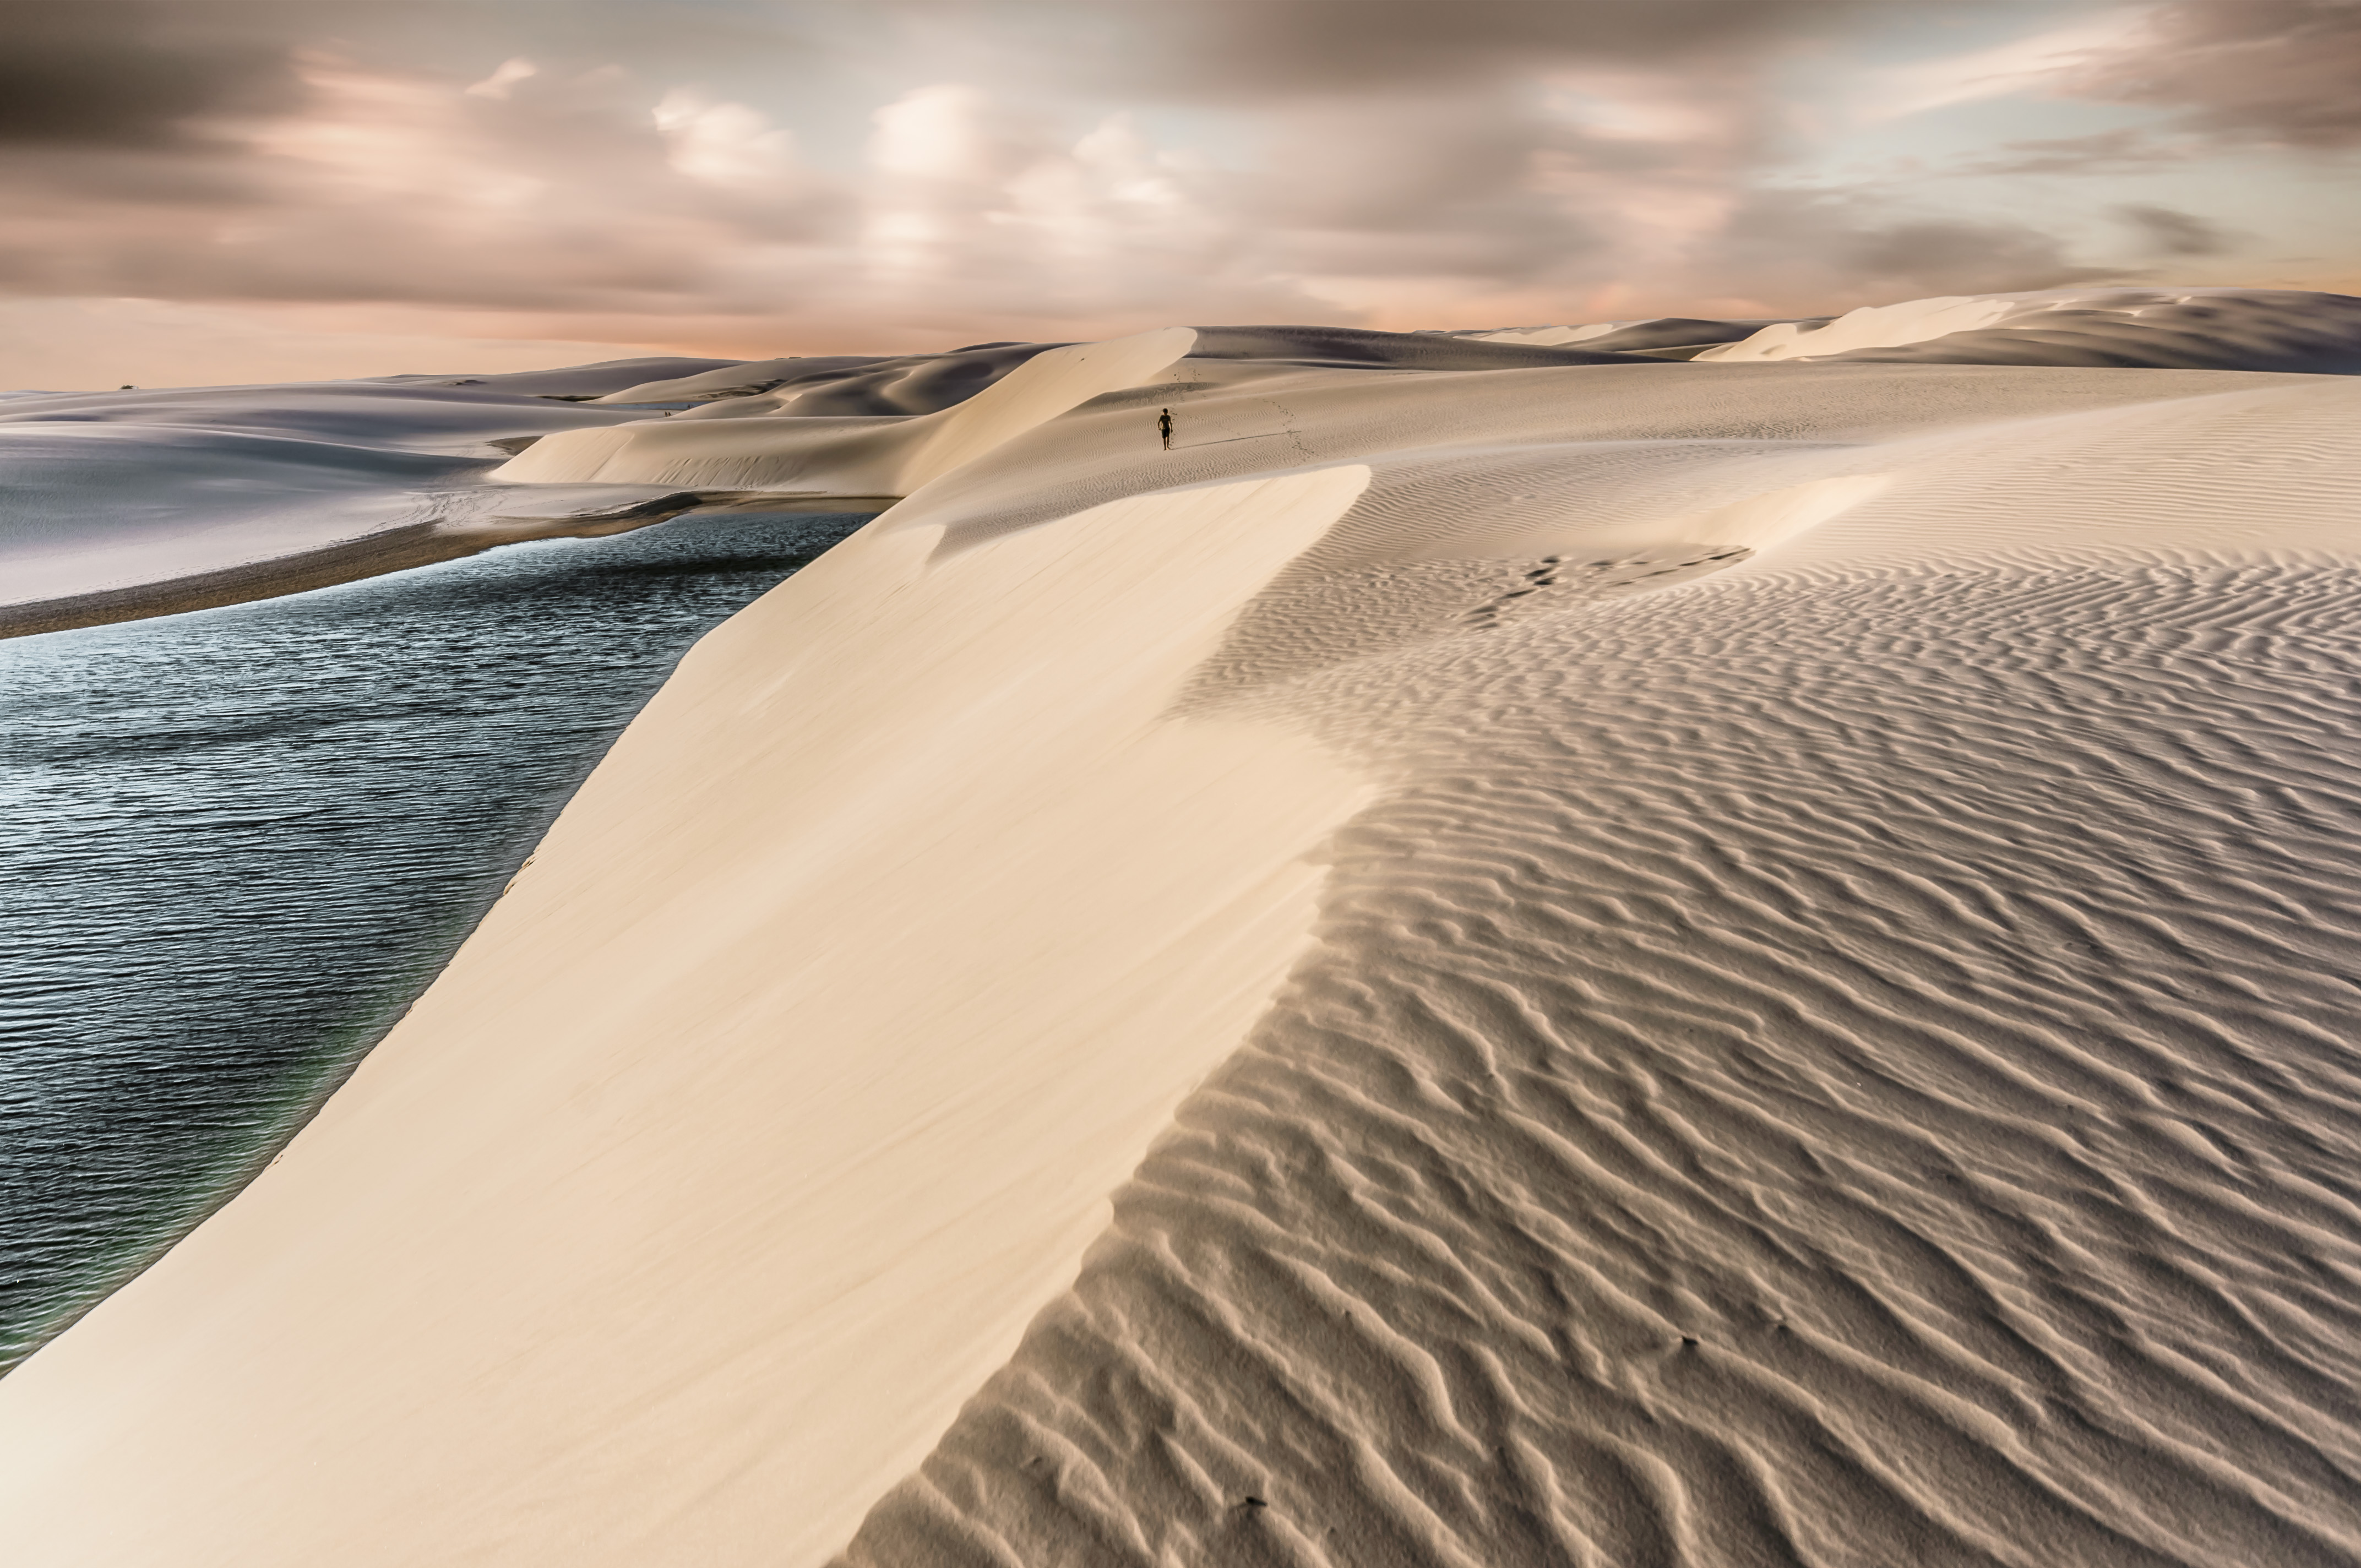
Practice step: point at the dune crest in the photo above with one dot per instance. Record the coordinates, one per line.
(882, 456)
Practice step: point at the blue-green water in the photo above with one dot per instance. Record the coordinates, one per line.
(235, 844)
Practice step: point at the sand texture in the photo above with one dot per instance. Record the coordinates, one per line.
(1727, 962)
(1847, 1060)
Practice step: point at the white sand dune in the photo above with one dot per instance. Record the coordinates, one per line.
(116, 505)
(857, 384)
(1774, 942)
(1656, 332)
(91, 506)
(2196, 329)
(851, 945)
(450, 419)
(119, 504)
(590, 382)
(884, 456)
(1845, 1060)
(735, 379)
(2151, 328)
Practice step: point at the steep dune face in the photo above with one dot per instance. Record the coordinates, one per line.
(1773, 941)
(765, 1108)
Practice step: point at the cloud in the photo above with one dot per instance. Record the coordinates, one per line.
(126, 74)
(66, 345)
(2036, 62)
(565, 190)
(504, 78)
(799, 175)
(2131, 150)
(2168, 232)
(2274, 73)
(1849, 248)
(2250, 72)
(1230, 49)
(727, 144)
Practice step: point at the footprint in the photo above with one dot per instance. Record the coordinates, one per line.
(1609, 576)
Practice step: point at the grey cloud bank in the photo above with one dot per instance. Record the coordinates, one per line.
(742, 178)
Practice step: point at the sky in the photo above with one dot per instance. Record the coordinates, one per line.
(216, 190)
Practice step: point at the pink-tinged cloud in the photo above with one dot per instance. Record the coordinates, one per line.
(620, 173)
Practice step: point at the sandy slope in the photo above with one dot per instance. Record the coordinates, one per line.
(685, 1297)
(1824, 1039)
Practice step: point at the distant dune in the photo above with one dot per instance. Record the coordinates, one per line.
(118, 505)
(1636, 943)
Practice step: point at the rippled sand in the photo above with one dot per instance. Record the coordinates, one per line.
(1841, 1055)
(1827, 1072)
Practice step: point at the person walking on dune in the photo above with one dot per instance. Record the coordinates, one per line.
(1164, 428)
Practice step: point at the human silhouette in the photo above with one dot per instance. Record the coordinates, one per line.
(1164, 428)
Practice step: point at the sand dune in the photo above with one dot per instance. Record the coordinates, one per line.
(572, 382)
(906, 1121)
(1772, 941)
(855, 384)
(1843, 1060)
(884, 456)
(2166, 328)
(1658, 331)
(315, 484)
(118, 505)
(2194, 329)
(780, 441)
